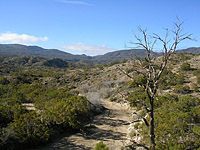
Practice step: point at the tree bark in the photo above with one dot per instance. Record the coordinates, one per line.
(151, 127)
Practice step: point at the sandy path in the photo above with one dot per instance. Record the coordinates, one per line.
(112, 130)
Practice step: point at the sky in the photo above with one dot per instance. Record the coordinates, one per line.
(94, 27)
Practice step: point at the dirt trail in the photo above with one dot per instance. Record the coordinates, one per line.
(112, 130)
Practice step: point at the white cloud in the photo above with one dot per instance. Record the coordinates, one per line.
(76, 2)
(20, 38)
(80, 48)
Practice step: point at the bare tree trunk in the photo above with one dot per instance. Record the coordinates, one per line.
(151, 128)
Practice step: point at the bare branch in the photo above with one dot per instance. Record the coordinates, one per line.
(143, 118)
(123, 71)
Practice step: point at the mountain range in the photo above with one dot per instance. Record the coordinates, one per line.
(22, 50)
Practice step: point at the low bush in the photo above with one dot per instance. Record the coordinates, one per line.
(8, 113)
(179, 79)
(196, 72)
(29, 129)
(185, 67)
(138, 81)
(137, 98)
(113, 99)
(167, 79)
(195, 87)
(69, 112)
(101, 146)
(4, 81)
(181, 89)
(198, 79)
(175, 122)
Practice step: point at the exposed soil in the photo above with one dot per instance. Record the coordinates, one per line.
(111, 127)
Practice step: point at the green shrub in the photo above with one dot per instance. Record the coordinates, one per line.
(167, 79)
(181, 89)
(8, 140)
(66, 112)
(196, 72)
(136, 126)
(137, 98)
(113, 99)
(164, 99)
(187, 103)
(124, 60)
(179, 79)
(101, 66)
(113, 63)
(185, 67)
(101, 146)
(131, 84)
(195, 87)
(138, 81)
(173, 122)
(29, 129)
(175, 119)
(198, 79)
(4, 81)
(183, 57)
(8, 113)
(129, 70)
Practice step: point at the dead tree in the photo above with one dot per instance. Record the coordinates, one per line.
(153, 70)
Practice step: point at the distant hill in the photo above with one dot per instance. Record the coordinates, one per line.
(122, 54)
(22, 50)
(193, 50)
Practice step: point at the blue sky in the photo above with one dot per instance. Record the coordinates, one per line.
(93, 27)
